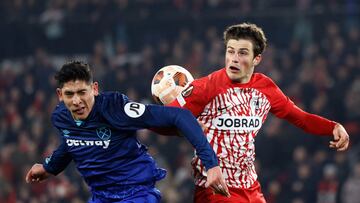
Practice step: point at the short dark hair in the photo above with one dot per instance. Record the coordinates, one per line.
(75, 70)
(247, 31)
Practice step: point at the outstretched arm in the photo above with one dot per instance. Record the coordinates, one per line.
(283, 107)
(59, 159)
(156, 116)
(318, 125)
(191, 129)
(52, 165)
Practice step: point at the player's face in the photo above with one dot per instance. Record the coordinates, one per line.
(240, 60)
(79, 97)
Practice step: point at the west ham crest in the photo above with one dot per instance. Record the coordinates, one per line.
(103, 133)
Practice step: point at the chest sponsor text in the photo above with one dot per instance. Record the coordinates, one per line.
(101, 143)
(226, 122)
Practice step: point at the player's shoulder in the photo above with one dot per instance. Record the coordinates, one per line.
(217, 75)
(206, 87)
(61, 116)
(59, 109)
(111, 102)
(263, 80)
(120, 104)
(210, 79)
(112, 97)
(266, 85)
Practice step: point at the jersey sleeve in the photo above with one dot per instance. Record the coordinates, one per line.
(183, 120)
(194, 97)
(310, 123)
(59, 159)
(133, 115)
(284, 108)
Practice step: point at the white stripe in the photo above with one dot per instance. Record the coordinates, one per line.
(239, 99)
(181, 100)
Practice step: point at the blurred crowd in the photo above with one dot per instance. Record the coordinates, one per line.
(313, 55)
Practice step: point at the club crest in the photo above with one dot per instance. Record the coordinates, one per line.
(254, 104)
(103, 133)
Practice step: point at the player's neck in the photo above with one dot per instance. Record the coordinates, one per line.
(243, 80)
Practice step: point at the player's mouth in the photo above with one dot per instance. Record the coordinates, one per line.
(234, 69)
(79, 111)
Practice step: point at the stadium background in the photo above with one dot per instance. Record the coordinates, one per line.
(313, 55)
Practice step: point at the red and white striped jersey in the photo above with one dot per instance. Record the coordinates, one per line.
(233, 114)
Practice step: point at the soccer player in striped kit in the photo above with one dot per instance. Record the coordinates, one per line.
(233, 104)
(98, 132)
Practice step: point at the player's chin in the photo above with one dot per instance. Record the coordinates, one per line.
(80, 116)
(235, 77)
(233, 73)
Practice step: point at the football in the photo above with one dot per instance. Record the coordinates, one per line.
(168, 83)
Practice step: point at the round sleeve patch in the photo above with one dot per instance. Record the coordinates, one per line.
(134, 109)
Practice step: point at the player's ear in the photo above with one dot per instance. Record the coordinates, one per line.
(257, 60)
(95, 87)
(59, 94)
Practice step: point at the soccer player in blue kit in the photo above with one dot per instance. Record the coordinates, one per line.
(98, 133)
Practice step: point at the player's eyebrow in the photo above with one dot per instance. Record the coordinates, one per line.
(72, 92)
(241, 49)
(68, 92)
(81, 90)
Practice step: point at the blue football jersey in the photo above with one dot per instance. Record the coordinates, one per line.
(106, 150)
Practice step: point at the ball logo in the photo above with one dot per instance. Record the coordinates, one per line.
(168, 83)
(187, 92)
(134, 110)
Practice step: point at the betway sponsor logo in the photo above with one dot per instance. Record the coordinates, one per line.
(103, 143)
(226, 122)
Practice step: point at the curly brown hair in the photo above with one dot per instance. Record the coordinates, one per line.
(247, 31)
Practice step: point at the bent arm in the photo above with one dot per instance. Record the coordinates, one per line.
(183, 120)
(59, 160)
(310, 123)
(191, 129)
(318, 125)
(37, 173)
(283, 107)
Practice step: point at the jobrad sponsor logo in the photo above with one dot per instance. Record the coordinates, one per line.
(227, 122)
(101, 143)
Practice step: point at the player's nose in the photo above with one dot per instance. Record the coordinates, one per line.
(76, 100)
(235, 59)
